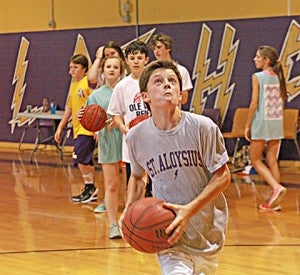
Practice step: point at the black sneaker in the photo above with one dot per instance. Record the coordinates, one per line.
(77, 198)
(89, 193)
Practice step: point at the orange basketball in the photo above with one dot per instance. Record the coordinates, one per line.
(94, 118)
(137, 120)
(144, 225)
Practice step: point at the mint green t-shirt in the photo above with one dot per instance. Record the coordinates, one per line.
(110, 141)
(267, 123)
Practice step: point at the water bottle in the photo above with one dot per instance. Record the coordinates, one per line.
(53, 107)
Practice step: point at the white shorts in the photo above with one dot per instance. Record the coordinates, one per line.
(173, 261)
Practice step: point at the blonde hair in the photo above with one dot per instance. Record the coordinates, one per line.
(122, 64)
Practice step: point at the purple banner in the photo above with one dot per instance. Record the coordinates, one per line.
(218, 54)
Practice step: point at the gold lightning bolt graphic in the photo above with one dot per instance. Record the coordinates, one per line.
(290, 50)
(18, 79)
(219, 80)
(81, 48)
(144, 38)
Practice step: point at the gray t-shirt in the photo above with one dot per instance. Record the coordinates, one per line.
(180, 163)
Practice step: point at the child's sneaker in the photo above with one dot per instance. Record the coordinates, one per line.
(78, 197)
(266, 207)
(114, 232)
(101, 208)
(89, 193)
(276, 196)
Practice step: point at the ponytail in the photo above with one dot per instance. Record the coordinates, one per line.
(279, 71)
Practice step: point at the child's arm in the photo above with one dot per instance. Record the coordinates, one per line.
(62, 124)
(119, 122)
(92, 75)
(217, 184)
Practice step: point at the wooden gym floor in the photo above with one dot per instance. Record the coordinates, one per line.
(43, 232)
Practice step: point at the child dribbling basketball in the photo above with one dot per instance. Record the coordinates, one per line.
(185, 156)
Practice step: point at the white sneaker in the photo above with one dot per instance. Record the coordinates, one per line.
(114, 232)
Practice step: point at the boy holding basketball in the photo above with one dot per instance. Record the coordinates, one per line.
(84, 140)
(185, 156)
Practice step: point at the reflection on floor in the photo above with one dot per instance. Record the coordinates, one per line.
(42, 229)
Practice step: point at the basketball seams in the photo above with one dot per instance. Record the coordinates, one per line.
(94, 118)
(125, 224)
(138, 233)
(158, 245)
(157, 217)
(98, 121)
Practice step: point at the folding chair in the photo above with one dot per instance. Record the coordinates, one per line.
(238, 129)
(291, 127)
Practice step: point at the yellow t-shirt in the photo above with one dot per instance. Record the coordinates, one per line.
(79, 92)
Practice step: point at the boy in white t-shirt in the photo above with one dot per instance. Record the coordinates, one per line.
(161, 44)
(126, 102)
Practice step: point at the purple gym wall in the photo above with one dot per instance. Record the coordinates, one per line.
(218, 54)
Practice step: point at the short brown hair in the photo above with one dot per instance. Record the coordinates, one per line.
(80, 59)
(150, 68)
(163, 38)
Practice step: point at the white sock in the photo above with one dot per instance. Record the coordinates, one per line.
(88, 178)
